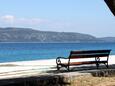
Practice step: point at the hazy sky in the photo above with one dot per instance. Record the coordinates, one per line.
(83, 16)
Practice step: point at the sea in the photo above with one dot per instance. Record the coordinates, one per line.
(11, 52)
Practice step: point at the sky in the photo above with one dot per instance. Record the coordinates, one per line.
(83, 16)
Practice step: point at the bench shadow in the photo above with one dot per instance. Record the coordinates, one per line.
(92, 69)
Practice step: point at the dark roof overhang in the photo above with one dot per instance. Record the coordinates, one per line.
(111, 5)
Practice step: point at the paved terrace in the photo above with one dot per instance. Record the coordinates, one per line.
(41, 68)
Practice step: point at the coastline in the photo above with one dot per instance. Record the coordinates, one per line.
(32, 62)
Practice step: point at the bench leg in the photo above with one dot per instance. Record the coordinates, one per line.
(97, 59)
(106, 64)
(58, 68)
(97, 64)
(68, 68)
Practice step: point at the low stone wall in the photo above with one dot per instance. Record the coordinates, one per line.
(49, 80)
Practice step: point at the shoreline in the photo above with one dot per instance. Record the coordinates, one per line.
(47, 61)
(36, 65)
(33, 62)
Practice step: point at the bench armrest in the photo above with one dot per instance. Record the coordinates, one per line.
(61, 58)
(58, 59)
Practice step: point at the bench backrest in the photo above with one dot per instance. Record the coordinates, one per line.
(89, 54)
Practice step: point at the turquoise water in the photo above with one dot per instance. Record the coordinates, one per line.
(34, 51)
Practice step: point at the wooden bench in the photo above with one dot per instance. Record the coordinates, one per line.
(96, 54)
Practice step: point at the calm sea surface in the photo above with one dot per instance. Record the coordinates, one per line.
(34, 51)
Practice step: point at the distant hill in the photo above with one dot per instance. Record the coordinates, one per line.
(108, 39)
(29, 35)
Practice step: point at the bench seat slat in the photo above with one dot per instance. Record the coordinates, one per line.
(86, 62)
(88, 55)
